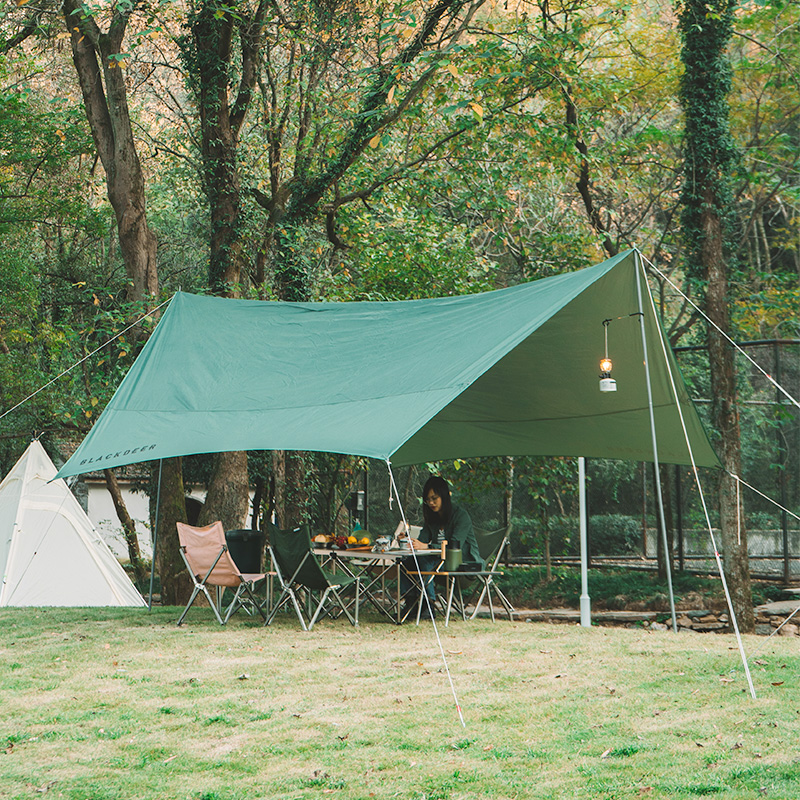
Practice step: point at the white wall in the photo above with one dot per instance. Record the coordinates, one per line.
(104, 517)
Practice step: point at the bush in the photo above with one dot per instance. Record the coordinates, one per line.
(527, 536)
(614, 535)
(527, 587)
(609, 535)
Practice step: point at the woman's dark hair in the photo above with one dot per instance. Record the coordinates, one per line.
(440, 487)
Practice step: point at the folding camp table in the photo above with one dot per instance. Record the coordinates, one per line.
(376, 569)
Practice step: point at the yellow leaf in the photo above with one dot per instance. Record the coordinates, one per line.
(94, 401)
(390, 96)
(60, 135)
(477, 109)
(95, 300)
(453, 70)
(375, 141)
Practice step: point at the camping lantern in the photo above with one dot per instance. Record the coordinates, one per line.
(607, 383)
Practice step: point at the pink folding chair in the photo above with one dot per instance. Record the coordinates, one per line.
(205, 552)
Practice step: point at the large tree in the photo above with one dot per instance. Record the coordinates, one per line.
(706, 27)
(220, 54)
(99, 62)
(99, 59)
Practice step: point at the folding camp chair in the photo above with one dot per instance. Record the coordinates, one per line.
(205, 553)
(491, 545)
(300, 576)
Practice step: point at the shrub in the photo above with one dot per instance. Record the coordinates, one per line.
(614, 534)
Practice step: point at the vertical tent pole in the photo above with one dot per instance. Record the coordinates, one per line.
(659, 499)
(679, 516)
(155, 537)
(586, 603)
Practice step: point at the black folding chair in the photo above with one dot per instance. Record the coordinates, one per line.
(300, 576)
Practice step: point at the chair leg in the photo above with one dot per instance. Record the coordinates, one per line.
(236, 603)
(353, 618)
(197, 589)
(319, 607)
(461, 603)
(510, 610)
(452, 580)
(288, 594)
(195, 592)
(479, 601)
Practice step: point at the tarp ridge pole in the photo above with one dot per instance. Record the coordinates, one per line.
(696, 474)
(659, 498)
(155, 536)
(586, 603)
(427, 599)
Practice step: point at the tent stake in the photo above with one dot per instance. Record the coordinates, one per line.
(661, 515)
(586, 603)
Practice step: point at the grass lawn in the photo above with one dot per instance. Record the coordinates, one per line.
(101, 704)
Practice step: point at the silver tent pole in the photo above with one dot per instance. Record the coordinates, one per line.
(659, 499)
(701, 494)
(586, 603)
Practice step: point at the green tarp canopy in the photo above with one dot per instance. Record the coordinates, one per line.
(509, 372)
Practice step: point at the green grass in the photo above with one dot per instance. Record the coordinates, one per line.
(101, 704)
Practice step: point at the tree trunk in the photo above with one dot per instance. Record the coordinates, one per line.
(291, 479)
(279, 478)
(228, 494)
(209, 56)
(548, 561)
(128, 527)
(508, 505)
(706, 29)
(733, 534)
(176, 584)
(99, 63)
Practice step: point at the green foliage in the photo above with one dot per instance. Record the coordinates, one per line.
(406, 253)
(528, 587)
(614, 534)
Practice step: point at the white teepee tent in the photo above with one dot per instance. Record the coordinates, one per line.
(50, 553)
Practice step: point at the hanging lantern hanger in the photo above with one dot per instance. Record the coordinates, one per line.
(607, 383)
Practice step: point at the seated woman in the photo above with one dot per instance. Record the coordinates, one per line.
(442, 520)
